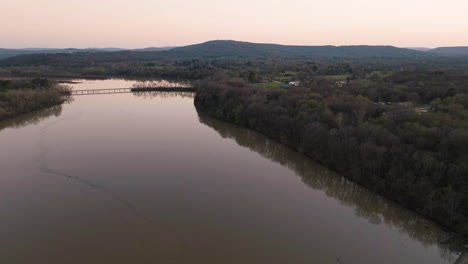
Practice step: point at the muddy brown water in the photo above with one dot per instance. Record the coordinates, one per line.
(145, 178)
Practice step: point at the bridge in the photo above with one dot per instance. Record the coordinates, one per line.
(131, 90)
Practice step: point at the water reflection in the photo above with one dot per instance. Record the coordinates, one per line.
(366, 204)
(160, 83)
(31, 118)
(163, 95)
(90, 84)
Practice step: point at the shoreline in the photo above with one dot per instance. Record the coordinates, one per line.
(456, 240)
(16, 115)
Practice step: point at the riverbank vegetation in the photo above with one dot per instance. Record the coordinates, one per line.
(403, 134)
(23, 96)
(375, 210)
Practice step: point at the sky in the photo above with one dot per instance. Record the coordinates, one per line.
(157, 23)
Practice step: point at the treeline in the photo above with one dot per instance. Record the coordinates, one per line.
(419, 87)
(22, 96)
(198, 68)
(417, 159)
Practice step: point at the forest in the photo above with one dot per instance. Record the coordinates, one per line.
(23, 96)
(400, 131)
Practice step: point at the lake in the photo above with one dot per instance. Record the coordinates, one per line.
(145, 178)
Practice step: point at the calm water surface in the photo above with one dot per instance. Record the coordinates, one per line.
(144, 178)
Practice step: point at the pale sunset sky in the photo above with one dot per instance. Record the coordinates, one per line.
(145, 23)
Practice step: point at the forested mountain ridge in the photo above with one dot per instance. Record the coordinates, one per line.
(229, 48)
(6, 53)
(450, 50)
(210, 49)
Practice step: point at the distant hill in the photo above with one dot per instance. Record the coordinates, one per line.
(418, 48)
(103, 49)
(228, 48)
(210, 49)
(451, 50)
(5, 53)
(79, 59)
(154, 49)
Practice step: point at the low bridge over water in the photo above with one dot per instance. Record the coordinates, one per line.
(131, 90)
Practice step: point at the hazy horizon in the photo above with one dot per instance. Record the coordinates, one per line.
(147, 23)
(143, 47)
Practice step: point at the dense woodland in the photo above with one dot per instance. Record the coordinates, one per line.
(365, 125)
(22, 96)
